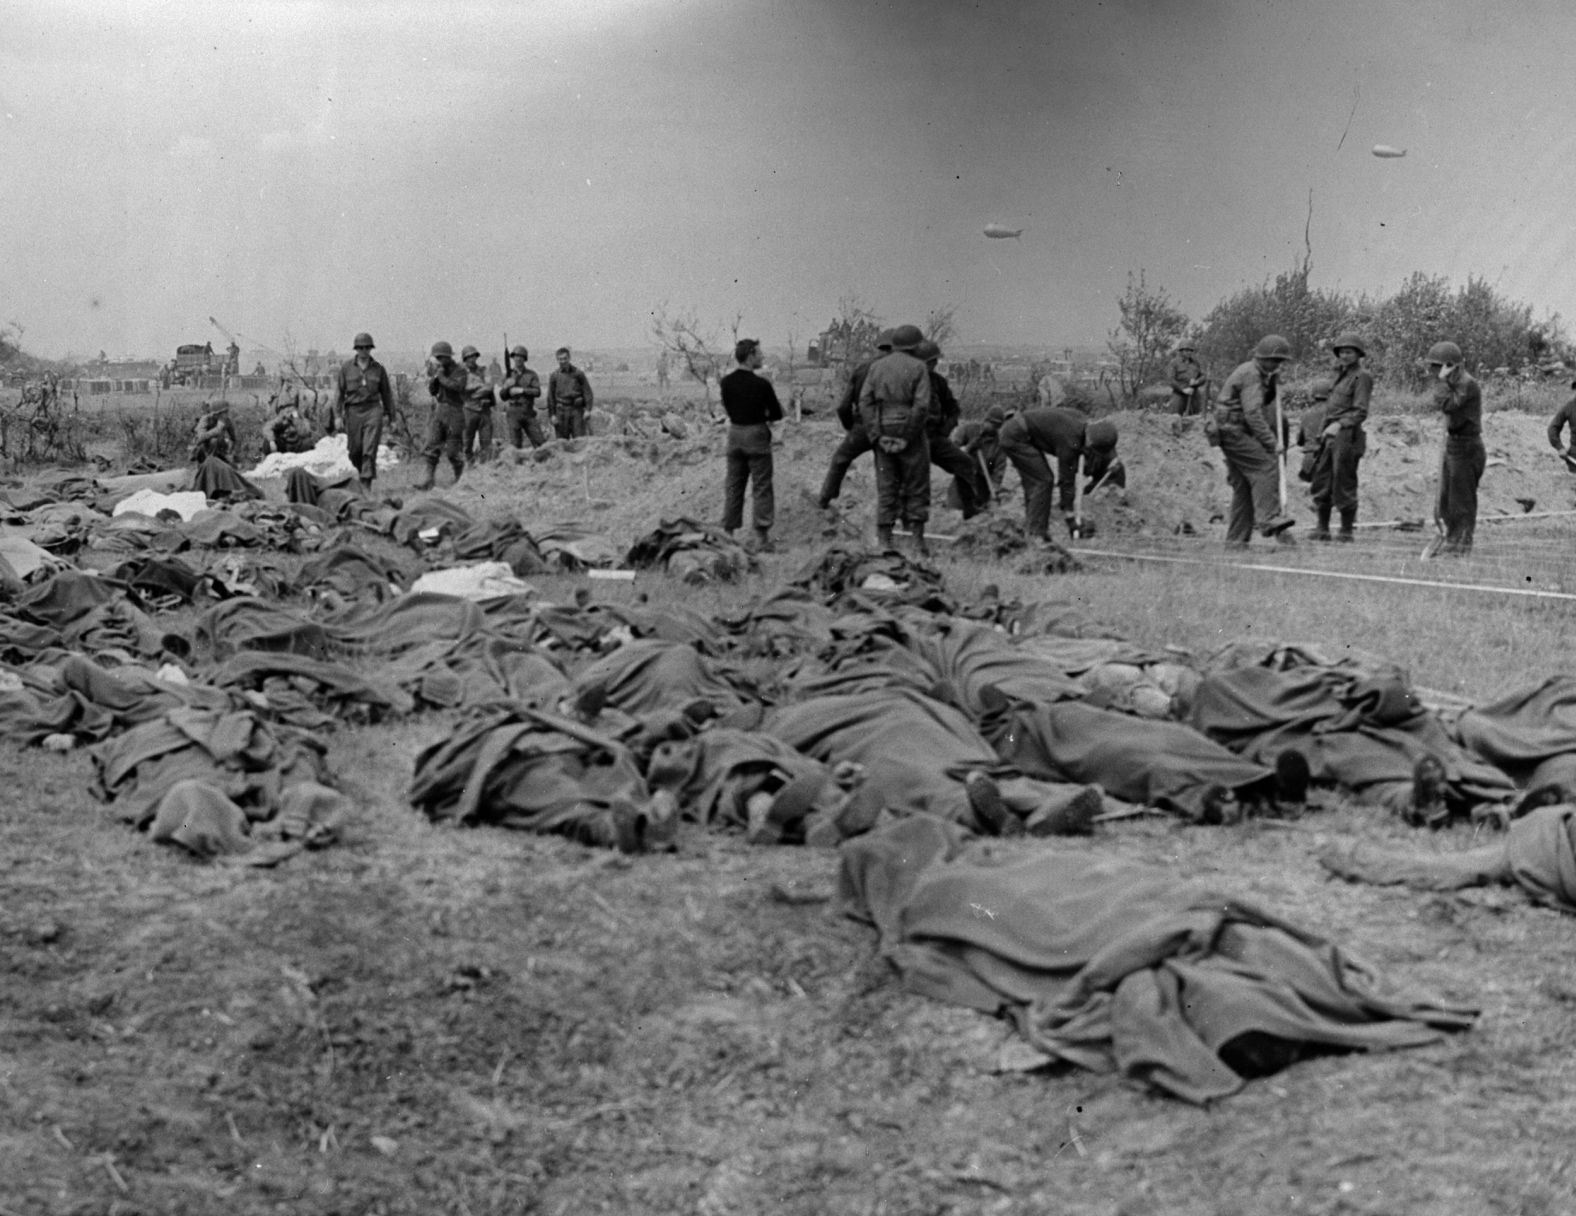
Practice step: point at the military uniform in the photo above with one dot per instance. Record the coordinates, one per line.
(856, 440)
(1245, 415)
(478, 434)
(1186, 375)
(1461, 401)
(569, 400)
(365, 401)
(1334, 480)
(1563, 417)
(894, 403)
(519, 391)
(213, 435)
(446, 430)
(1026, 438)
(949, 457)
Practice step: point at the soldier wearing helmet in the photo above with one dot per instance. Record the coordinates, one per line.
(518, 392)
(856, 441)
(363, 403)
(1458, 397)
(1248, 423)
(477, 438)
(1342, 439)
(1563, 417)
(1028, 438)
(213, 434)
(447, 382)
(945, 414)
(569, 398)
(894, 404)
(1186, 374)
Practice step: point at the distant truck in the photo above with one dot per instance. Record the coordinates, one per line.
(193, 360)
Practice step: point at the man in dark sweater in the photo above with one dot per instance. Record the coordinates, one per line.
(751, 404)
(856, 440)
(569, 398)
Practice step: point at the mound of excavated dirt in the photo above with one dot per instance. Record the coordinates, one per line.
(1176, 479)
(623, 481)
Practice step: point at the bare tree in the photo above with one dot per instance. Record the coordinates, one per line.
(941, 324)
(1151, 323)
(681, 334)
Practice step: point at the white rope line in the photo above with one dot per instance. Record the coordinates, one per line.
(1527, 592)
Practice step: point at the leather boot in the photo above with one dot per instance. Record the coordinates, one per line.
(1348, 523)
(366, 486)
(427, 477)
(1321, 530)
(884, 538)
(459, 468)
(763, 540)
(917, 531)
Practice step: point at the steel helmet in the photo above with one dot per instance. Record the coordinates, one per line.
(906, 337)
(1101, 434)
(442, 350)
(1350, 341)
(1185, 344)
(519, 352)
(362, 339)
(1272, 346)
(470, 352)
(927, 350)
(884, 340)
(1444, 352)
(996, 415)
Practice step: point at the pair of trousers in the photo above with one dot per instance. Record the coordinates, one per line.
(854, 445)
(749, 462)
(1039, 482)
(1254, 481)
(569, 421)
(950, 458)
(363, 433)
(1334, 480)
(523, 425)
(478, 436)
(1465, 459)
(446, 436)
(903, 484)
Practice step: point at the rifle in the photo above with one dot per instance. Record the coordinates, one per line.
(498, 395)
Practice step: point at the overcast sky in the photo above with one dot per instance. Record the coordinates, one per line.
(559, 168)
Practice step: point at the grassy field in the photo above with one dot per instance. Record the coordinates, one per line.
(427, 1020)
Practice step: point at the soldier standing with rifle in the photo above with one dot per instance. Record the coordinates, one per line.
(517, 392)
(446, 381)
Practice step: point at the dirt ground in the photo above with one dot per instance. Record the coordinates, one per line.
(424, 1020)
